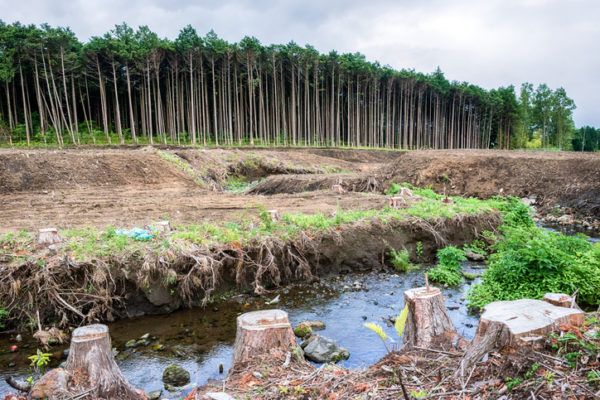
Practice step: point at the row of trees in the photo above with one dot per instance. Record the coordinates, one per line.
(131, 86)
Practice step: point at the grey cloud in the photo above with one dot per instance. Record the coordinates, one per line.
(489, 43)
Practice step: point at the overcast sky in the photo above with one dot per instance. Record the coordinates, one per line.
(487, 42)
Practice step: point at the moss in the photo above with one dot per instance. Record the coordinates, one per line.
(303, 331)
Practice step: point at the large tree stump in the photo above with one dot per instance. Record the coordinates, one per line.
(515, 324)
(262, 332)
(90, 369)
(428, 324)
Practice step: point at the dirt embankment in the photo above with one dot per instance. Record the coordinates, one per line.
(127, 285)
(570, 180)
(136, 186)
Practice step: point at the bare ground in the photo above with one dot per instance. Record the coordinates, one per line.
(136, 186)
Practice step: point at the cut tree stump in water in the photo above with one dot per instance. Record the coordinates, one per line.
(261, 332)
(48, 236)
(561, 300)
(90, 368)
(428, 324)
(516, 324)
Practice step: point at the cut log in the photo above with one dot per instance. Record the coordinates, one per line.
(90, 368)
(262, 332)
(515, 324)
(428, 324)
(48, 236)
(561, 300)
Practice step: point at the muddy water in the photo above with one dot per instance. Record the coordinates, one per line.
(201, 339)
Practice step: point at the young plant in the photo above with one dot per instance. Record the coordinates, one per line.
(399, 326)
(400, 260)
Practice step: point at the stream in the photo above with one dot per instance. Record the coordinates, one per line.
(201, 339)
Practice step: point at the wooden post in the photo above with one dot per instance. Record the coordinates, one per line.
(516, 323)
(48, 236)
(428, 324)
(261, 332)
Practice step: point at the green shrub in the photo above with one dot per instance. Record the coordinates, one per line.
(400, 260)
(531, 261)
(448, 271)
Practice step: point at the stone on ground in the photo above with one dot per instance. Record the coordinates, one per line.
(323, 350)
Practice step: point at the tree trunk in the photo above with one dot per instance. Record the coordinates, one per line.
(428, 324)
(261, 332)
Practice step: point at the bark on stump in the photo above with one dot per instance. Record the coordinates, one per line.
(515, 324)
(561, 300)
(262, 332)
(48, 236)
(428, 324)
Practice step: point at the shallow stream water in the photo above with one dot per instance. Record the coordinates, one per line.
(201, 339)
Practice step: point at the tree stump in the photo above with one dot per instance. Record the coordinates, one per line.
(48, 236)
(90, 369)
(337, 188)
(398, 202)
(428, 324)
(274, 214)
(90, 356)
(515, 324)
(162, 226)
(261, 332)
(561, 300)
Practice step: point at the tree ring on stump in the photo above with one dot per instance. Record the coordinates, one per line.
(89, 333)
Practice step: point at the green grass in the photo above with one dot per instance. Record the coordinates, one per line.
(93, 243)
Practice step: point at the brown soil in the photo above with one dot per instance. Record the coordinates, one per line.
(136, 186)
(571, 180)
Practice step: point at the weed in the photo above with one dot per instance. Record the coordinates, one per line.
(512, 382)
(400, 260)
(448, 270)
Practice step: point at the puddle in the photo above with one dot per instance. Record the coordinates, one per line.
(201, 339)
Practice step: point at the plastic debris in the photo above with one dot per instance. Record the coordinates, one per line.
(136, 233)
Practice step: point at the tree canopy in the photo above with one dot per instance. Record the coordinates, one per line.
(130, 85)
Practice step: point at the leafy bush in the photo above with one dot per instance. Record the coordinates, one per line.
(400, 260)
(448, 270)
(531, 261)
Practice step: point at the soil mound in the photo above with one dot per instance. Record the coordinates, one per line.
(570, 180)
(39, 170)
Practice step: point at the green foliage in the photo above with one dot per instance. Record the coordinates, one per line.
(419, 249)
(400, 260)
(39, 362)
(529, 262)
(448, 270)
(513, 382)
(3, 317)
